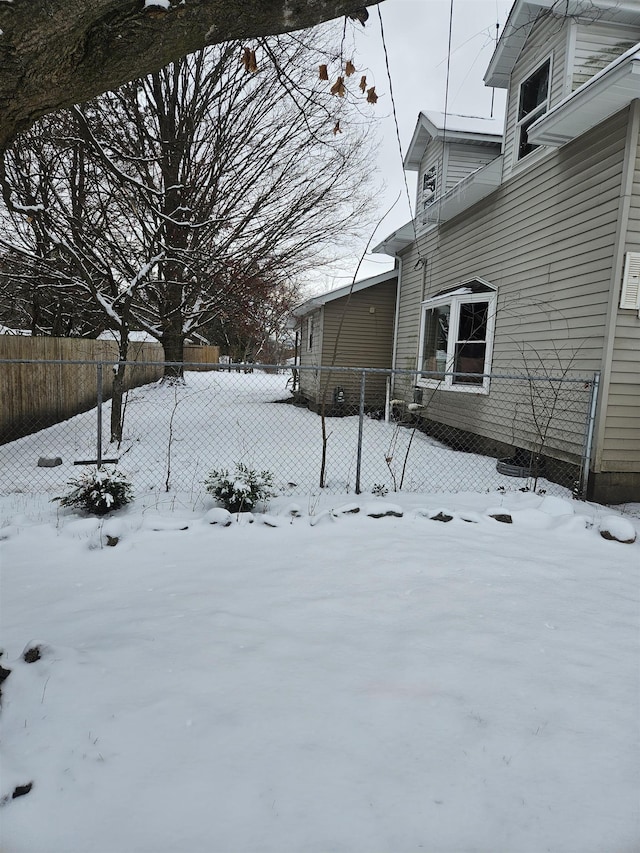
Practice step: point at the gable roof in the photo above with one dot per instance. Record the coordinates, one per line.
(523, 15)
(470, 130)
(347, 289)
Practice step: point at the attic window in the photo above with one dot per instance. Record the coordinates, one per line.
(534, 102)
(428, 188)
(429, 185)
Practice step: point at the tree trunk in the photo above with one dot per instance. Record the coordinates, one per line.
(172, 341)
(56, 53)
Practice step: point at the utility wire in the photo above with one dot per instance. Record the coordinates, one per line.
(446, 100)
(421, 260)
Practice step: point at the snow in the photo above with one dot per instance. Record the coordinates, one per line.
(467, 124)
(320, 679)
(619, 528)
(113, 335)
(5, 330)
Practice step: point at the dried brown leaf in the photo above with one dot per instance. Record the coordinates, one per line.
(339, 88)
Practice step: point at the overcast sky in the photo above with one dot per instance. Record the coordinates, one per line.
(416, 33)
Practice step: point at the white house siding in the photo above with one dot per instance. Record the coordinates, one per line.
(462, 160)
(596, 45)
(546, 240)
(620, 450)
(621, 446)
(549, 36)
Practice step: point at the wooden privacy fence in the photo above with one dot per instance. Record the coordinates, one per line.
(38, 394)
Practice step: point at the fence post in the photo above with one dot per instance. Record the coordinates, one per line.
(99, 414)
(588, 444)
(363, 379)
(387, 400)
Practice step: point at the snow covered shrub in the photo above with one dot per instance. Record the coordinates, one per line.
(242, 490)
(98, 492)
(379, 490)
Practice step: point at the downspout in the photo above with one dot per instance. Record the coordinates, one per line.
(626, 192)
(396, 319)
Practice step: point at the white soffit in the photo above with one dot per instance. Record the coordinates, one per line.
(514, 34)
(523, 15)
(397, 241)
(610, 91)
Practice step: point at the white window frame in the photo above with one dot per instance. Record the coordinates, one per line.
(455, 300)
(429, 185)
(534, 114)
(310, 330)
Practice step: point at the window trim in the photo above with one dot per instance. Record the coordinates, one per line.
(310, 331)
(429, 175)
(534, 114)
(455, 301)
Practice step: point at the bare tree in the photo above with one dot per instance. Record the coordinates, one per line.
(56, 53)
(165, 195)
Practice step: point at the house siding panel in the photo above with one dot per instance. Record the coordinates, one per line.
(462, 160)
(620, 451)
(621, 443)
(598, 44)
(354, 336)
(548, 249)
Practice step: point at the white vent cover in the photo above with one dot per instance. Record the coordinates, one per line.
(630, 296)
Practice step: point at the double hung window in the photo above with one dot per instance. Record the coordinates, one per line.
(533, 102)
(456, 338)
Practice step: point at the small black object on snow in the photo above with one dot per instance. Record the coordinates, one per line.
(441, 516)
(21, 790)
(46, 462)
(32, 654)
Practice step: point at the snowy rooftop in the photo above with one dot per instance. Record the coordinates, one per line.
(454, 128)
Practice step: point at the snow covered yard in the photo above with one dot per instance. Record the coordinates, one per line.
(328, 682)
(316, 679)
(174, 435)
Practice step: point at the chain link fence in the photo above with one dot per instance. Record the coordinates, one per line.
(338, 429)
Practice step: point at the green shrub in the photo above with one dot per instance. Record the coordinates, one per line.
(243, 490)
(98, 492)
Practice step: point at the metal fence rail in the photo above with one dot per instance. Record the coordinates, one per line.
(339, 429)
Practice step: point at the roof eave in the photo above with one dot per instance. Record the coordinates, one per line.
(397, 241)
(355, 287)
(516, 31)
(587, 107)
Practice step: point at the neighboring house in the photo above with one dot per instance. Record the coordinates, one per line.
(525, 256)
(348, 327)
